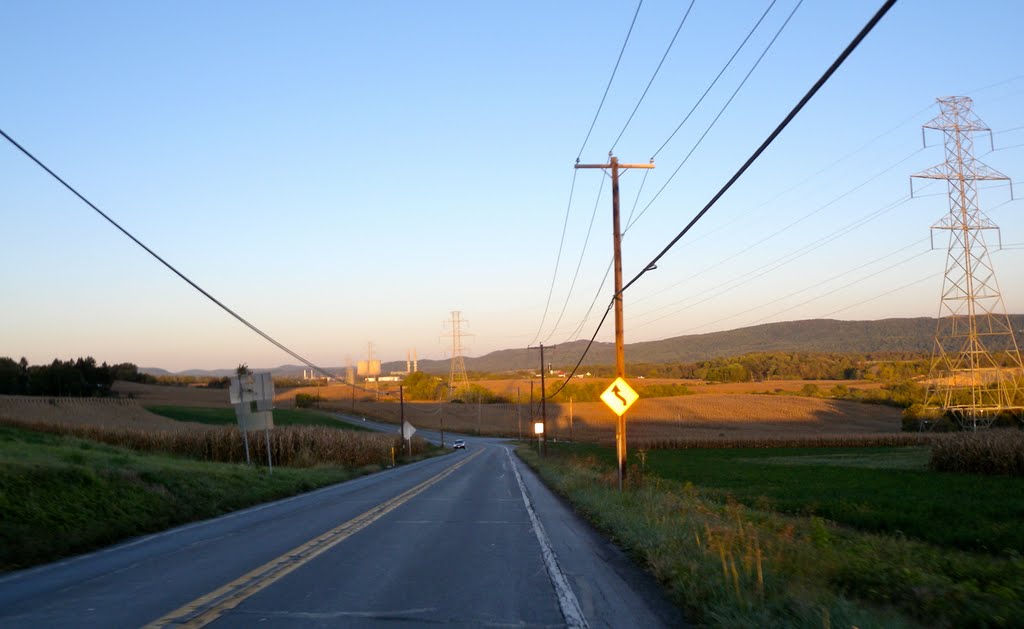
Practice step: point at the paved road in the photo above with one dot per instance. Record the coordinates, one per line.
(468, 539)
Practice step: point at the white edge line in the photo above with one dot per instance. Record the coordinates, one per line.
(567, 601)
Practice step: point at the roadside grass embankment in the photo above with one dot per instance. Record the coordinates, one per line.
(791, 537)
(62, 495)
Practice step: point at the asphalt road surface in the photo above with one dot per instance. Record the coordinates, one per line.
(468, 539)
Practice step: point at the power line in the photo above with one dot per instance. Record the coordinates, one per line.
(779, 262)
(610, 79)
(572, 186)
(823, 282)
(167, 264)
(574, 335)
(651, 82)
(579, 264)
(816, 285)
(845, 286)
(590, 343)
(785, 228)
(713, 83)
(764, 145)
(996, 84)
(888, 292)
(771, 137)
(720, 112)
(558, 259)
(815, 175)
(1008, 130)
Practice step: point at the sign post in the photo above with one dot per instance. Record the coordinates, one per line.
(407, 432)
(252, 395)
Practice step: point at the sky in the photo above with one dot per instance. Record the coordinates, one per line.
(348, 173)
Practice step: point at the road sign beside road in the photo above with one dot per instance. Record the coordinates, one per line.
(619, 396)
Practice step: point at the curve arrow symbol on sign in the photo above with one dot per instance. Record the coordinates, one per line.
(615, 390)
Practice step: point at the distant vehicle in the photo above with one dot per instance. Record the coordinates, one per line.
(459, 444)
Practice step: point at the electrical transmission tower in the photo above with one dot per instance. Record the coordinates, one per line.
(457, 374)
(966, 379)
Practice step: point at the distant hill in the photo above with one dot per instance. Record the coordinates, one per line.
(812, 335)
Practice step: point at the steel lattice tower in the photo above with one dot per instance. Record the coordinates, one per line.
(965, 379)
(457, 374)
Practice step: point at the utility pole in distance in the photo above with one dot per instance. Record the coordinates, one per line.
(543, 402)
(620, 350)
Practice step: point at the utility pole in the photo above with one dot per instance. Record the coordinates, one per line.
(543, 401)
(519, 414)
(531, 402)
(620, 347)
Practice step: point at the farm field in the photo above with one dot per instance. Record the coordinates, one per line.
(865, 488)
(158, 394)
(707, 415)
(712, 416)
(809, 536)
(509, 387)
(115, 413)
(226, 417)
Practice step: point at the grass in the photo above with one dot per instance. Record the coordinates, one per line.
(886, 490)
(882, 490)
(61, 495)
(226, 417)
(733, 563)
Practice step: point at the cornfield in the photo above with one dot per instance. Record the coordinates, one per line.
(993, 452)
(292, 446)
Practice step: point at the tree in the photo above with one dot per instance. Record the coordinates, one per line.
(421, 386)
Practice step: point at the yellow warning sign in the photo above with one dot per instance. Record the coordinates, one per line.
(619, 396)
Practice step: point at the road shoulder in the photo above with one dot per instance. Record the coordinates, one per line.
(612, 590)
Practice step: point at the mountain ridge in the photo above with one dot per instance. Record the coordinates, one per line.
(909, 335)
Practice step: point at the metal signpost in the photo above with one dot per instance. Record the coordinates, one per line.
(408, 430)
(252, 395)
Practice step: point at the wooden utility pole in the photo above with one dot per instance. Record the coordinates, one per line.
(543, 403)
(519, 414)
(620, 347)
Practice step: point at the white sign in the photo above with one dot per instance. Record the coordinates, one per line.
(252, 395)
(538, 428)
(408, 430)
(619, 396)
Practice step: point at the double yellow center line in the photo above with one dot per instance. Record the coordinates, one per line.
(209, 607)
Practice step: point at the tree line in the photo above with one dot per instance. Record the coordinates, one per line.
(81, 377)
(761, 366)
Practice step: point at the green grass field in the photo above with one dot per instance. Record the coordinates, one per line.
(809, 537)
(887, 490)
(226, 416)
(884, 490)
(62, 495)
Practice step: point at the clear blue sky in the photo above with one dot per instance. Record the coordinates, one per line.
(343, 172)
